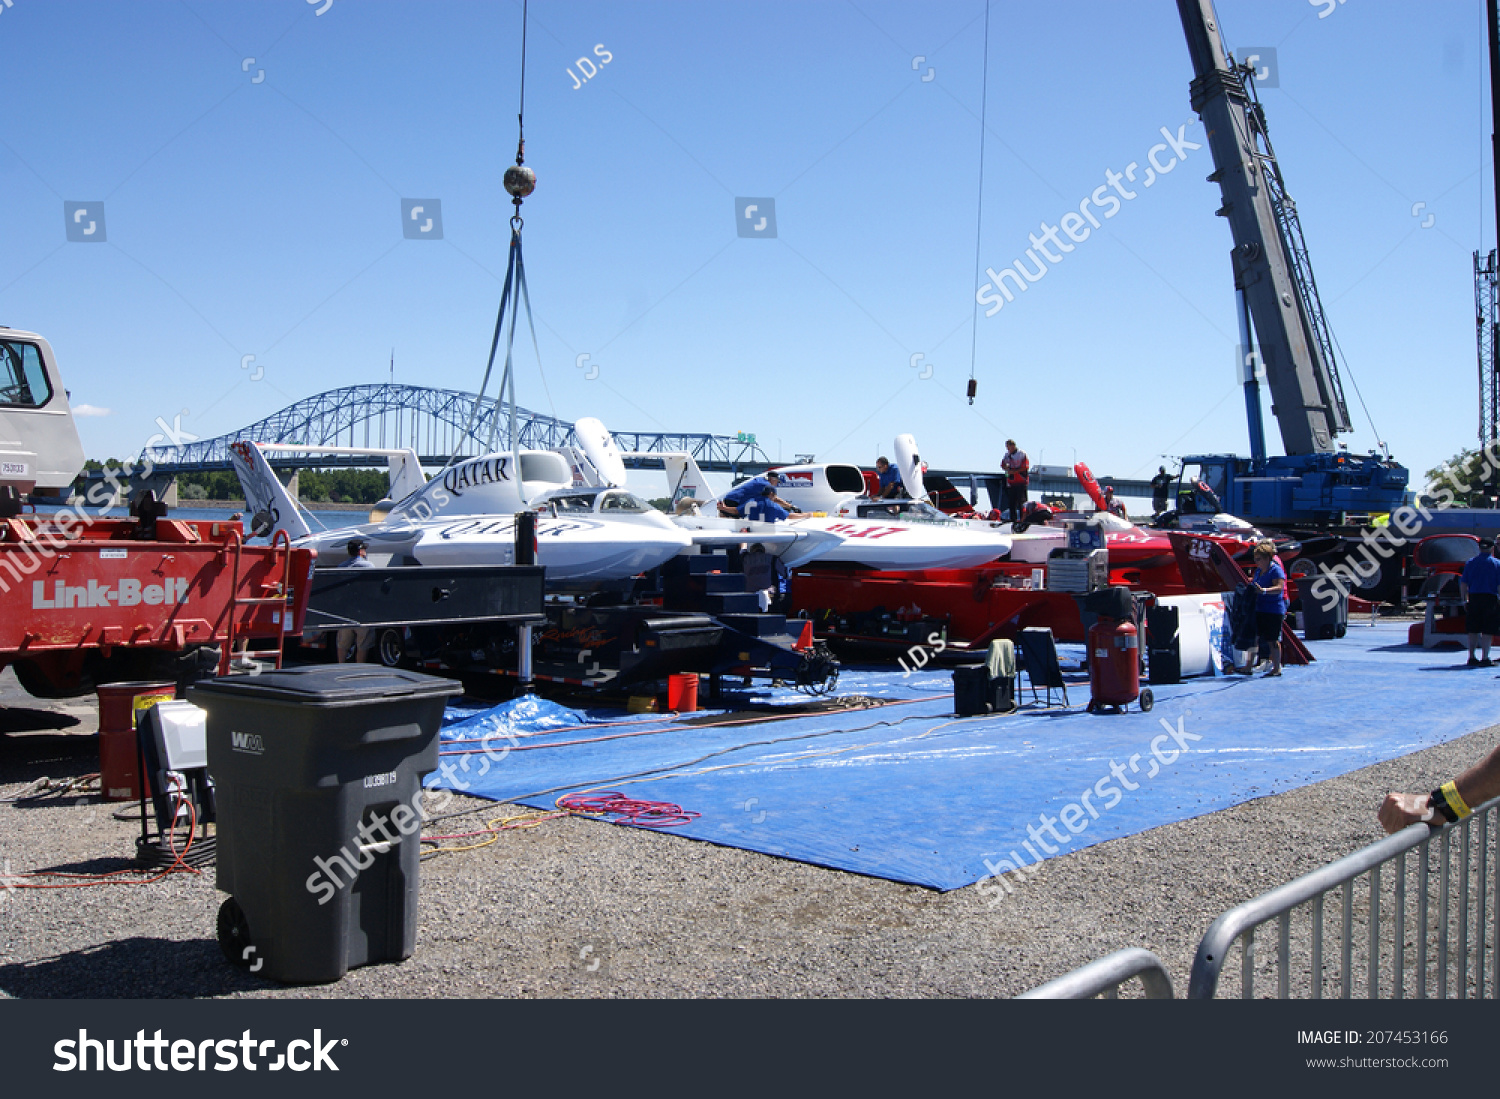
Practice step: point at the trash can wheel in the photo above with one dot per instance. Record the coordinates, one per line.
(234, 933)
(1147, 700)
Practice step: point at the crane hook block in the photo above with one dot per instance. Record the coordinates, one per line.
(973, 386)
(520, 181)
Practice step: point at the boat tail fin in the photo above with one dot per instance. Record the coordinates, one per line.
(686, 479)
(270, 506)
(406, 474)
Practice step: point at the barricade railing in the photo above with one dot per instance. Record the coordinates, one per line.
(1105, 975)
(1456, 905)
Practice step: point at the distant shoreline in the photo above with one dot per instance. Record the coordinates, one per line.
(239, 505)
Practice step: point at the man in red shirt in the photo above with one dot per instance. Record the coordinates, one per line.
(1017, 469)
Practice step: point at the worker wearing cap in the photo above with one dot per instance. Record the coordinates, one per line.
(756, 499)
(358, 642)
(358, 557)
(890, 479)
(1480, 587)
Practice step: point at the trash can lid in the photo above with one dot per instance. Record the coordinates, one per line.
(332, 685)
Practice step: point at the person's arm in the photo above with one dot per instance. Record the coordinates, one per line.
(783, 503)
(1477, 785)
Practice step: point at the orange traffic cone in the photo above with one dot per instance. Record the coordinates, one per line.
(806, 640)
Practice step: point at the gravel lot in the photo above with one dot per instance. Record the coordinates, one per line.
(658, 915)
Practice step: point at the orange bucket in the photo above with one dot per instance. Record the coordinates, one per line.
(682, 692)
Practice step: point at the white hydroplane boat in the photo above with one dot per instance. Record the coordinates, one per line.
(466, 516)
(871, 534)
(598, 466)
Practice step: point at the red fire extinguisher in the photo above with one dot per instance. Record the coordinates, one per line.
(1115, 666)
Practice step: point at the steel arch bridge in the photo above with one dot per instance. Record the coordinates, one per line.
(432, 422)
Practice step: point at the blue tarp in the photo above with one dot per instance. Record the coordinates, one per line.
(908, 792)
(518, 717)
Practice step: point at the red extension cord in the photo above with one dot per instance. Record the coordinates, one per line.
(623, 810)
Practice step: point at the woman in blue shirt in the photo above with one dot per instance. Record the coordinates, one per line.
(1269, 585)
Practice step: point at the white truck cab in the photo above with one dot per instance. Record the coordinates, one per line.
(40, 451)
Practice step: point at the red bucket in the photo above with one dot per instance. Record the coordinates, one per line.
(120, 763)
(682, 692)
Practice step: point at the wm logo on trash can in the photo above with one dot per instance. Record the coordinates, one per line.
(250, 743)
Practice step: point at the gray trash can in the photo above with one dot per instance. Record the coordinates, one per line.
(317, 774)
(1320, 623)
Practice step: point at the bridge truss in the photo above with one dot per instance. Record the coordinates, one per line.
(432, 422)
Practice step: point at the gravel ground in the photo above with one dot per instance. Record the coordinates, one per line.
(576, 908)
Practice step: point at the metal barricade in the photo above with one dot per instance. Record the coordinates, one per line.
(1457, 907)
(1106, 975)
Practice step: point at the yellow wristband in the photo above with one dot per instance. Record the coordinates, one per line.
(1455, 801)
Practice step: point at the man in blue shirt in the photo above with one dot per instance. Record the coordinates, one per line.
(1478, 585)
(756, 499)
(890, 479)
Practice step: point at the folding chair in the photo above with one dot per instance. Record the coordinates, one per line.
(1039, 656)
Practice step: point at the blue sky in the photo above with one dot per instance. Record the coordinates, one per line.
(250, 215)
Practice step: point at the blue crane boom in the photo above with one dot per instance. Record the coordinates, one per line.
(1316, 482)
(1271, 267)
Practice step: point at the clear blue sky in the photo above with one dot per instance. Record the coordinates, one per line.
(264, 218)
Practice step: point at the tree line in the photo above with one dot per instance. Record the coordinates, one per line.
(317, 486)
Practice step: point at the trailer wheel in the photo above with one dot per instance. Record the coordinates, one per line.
(392, 648)
(1147, 700)
(234, 933)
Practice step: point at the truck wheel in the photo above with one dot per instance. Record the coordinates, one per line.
(392, 648)
(1147, 700)
(47, 676)
(234, 933)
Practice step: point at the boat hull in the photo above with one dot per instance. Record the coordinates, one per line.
(570, 549)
